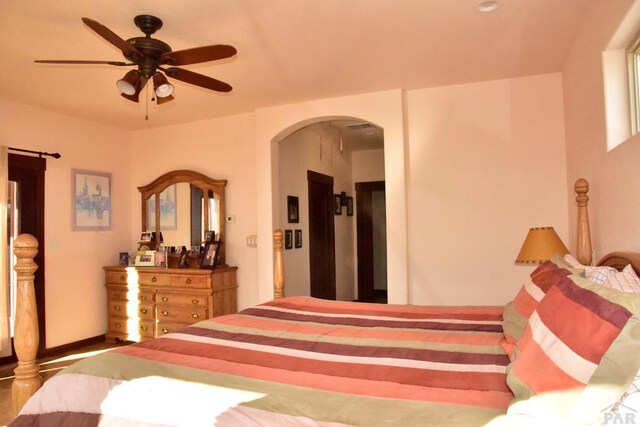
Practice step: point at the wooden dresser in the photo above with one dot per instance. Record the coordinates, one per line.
(148, 302)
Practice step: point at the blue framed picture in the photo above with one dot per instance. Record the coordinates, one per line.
(91, 200)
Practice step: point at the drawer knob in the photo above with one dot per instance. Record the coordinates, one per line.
(123, 278)
(165, 330)
(116, 296)
(188, 281)
(118, 325)
(116, 307)
(143, 310)
(195, 315)
(143, 297)
(194, 301)
(165, 299)
(154, 279)
(165, 313)
(144, 327)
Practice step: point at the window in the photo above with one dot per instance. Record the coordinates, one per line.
(633, 64)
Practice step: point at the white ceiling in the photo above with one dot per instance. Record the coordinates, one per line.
(288, 50)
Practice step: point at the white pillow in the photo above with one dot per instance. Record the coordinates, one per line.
(626, 281)
(597, 275)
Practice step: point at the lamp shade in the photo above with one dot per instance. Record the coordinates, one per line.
(162, 87)
(540, 244)
(130, 83)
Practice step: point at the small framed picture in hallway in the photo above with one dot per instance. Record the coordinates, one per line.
(337, 204)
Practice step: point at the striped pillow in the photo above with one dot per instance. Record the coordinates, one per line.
(516, 313)
(579, 334)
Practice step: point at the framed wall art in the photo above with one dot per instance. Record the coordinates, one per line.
(91, 200)
(350, 206)
(298, 239)
(337, 204)
(293, 213)
(288, 239)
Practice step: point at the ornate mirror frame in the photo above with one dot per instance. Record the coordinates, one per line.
(203, 182)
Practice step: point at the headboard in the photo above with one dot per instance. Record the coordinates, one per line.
(620, 260)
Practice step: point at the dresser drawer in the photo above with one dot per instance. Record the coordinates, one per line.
(168, 327)
(191, 300)
(118, 294)
(131, 327)
(116, 277)
(132, 310)
(189, 281)
(185, 314)
(153, 279)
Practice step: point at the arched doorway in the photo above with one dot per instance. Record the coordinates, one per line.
(325, 159)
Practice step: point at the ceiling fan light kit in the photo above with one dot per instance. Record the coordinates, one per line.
(150, 55)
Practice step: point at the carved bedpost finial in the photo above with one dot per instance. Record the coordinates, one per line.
(278, 269)
(585, 250)
(26, 337)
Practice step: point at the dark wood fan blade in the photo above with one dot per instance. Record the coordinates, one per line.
(113, 38)
(197, 79)
(68, 61)
(198, 54)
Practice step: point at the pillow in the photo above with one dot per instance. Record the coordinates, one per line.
(626, 281)
(516, 313)
(597, 275)
(580, 345)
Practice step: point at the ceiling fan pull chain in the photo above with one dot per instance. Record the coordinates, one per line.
(146, 114)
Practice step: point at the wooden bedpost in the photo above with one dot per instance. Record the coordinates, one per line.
(585, 251)
(27, 380)
(278, 268)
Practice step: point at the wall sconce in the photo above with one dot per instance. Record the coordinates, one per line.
(540, 244)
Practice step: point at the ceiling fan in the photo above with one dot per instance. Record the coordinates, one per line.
(154, 57)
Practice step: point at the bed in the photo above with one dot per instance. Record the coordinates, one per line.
(305, 361)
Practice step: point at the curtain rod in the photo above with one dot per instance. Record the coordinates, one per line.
(39, 153)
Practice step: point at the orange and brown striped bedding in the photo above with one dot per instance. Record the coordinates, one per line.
(295, 361)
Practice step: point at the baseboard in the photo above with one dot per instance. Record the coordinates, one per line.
(65, 348)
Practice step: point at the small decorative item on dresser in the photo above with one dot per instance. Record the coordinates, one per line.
(145, 259)
(209, 235)
(337, 204)
(211, 254)
(123, 259)
(145, 237)
(298, 239)
(288, 239)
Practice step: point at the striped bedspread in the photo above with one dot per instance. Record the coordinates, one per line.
(295, 361)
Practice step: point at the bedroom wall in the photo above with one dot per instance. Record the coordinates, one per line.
(614, 176)
(486, 163)
(221, 148)
(299, 153)
(75, 293)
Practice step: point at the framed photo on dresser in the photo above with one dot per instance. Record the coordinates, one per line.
(211, 254)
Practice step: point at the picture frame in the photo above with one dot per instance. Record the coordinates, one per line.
(168, 209)
(145, 259)
(349, 206)
(123, 259)
(337, 204)
(146, 237)
(209, 235)
(343, 198)
(288, 239)
(211, 254)
(298, 239)
(293, 209)
(91, 200)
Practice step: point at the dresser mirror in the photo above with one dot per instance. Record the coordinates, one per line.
(190, 204)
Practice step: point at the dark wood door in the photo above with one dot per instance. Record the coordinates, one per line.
(364, 230)
(322, 252)
(28, 173)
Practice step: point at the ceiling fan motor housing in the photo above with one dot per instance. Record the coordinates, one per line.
(152, 49)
